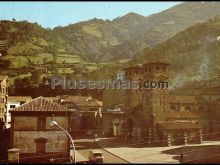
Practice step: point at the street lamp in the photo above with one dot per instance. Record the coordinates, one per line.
(54, 123)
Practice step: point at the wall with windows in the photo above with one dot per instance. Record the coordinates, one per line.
(32, 134)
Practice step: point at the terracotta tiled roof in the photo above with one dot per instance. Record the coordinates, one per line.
(2, 77)
(185, 115)
(137, 66)
(19, 98)
(41, 104)
(179, 125)
(156, 62)
(81, 101)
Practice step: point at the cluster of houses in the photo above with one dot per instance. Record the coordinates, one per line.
(153, 115)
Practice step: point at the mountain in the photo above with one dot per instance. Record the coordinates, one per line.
(94, 37)
(192, 54)
(105, 40)
(29, 44)
(159, 27)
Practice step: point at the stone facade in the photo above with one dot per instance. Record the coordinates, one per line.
(89, 111)
(149, 109)
(32, 133)
(112, 123)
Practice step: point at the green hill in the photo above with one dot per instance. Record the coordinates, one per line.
(192, 53)
(105, 40)
(29, 44)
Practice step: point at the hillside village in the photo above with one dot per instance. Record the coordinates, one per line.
(171, 123)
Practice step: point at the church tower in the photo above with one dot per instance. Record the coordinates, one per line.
(155, 93)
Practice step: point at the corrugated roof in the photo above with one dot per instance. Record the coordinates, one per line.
(41, 104)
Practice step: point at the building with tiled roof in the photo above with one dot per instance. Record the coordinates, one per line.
(32, 133)
(179, 126)
(81, 101)
(13, 102)
(155, 114)
(41, 104)
(88, 108)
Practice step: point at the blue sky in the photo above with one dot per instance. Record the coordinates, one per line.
(52, 14)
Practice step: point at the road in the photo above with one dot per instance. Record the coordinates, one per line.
(84, 145)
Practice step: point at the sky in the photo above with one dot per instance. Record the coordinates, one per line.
(52, 14)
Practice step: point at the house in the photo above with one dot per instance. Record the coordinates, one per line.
(89, 110)
(32, 133)
(3, 97)
(13, 102)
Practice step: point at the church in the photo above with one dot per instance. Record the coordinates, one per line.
(161, 116)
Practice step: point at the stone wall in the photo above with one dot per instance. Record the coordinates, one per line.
(25, 133)
(56, 141)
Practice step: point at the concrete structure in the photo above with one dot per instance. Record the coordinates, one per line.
(3, 97)
(14, 102)
(32, 134)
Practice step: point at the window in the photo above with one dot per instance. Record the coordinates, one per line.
(164, 69)
(188, 108)
(41, 123)
(40, 145)
(172, 108)
(12, 106)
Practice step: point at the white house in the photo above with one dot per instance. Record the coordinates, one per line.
(14, 102)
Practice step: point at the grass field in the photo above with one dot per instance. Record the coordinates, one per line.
(68, 59)
(93, 30)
